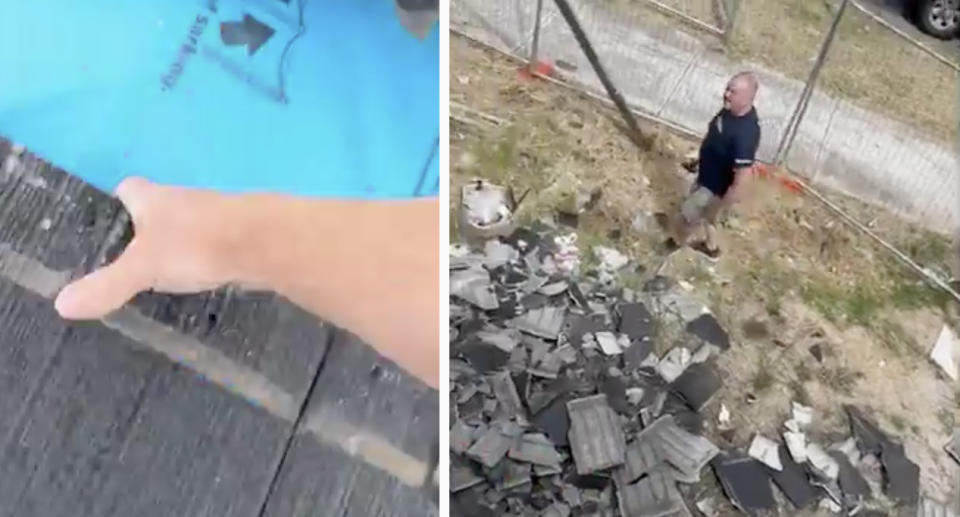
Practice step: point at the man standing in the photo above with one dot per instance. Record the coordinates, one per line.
(726, 156)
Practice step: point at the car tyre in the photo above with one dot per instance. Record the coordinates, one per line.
(939, 18)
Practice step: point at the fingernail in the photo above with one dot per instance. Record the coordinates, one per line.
(66, 303)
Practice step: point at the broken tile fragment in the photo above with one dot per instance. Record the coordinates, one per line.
(802, 415)
(870, 439)
(554, 421)
(638, 352)
(546, 470)
(822, 463)
(697, 385)
(642, 456)
(473, 286)
(945, 352)
(462, 475)
(515, 475)
(745, 481)
(686, 452)
(506, 393)
(901, 476)
(490, 448)
(596, 438)
(656, 495)
(547, 367)
(571, 495)
(504, 339)
(765, 451)
(461, 437)
(535, 448)
(484, 357)
(554, 288)
(852, 483)
(797, 445)
(635, 321)
(544, 322)
(792, 481)
(607, 341)
(707, 328)
(673, 363)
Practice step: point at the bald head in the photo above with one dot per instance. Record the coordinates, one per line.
(740, 93)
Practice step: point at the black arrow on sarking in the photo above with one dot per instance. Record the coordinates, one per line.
(250, 32)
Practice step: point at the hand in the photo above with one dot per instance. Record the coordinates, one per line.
(181, 244)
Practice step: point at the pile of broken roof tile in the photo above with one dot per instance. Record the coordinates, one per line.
(560, 406)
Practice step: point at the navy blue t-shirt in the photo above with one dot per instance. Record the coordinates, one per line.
(731, 143)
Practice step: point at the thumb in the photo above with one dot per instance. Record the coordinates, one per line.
(104, 290)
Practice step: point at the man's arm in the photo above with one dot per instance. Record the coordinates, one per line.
(370, 267)
(744, 154)
(735, 191)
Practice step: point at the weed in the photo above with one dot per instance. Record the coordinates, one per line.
(894, 337)
(773, 306)
(840, 379)
(763, 379)
(800, 393)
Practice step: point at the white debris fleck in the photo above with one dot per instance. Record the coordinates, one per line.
(829, 505)
(635, 395)
(766, 451)
(610, 259)
(802, 415)
(46, 224)
(674, 363)
(724, 416)
(796, 445)
(608, 343)
(707, 507)
(945, 352)
(822, 462)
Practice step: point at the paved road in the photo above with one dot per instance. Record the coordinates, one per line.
(895, 12)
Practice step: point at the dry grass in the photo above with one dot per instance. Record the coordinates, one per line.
(787, 264)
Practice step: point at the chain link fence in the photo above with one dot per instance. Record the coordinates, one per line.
(882, 121)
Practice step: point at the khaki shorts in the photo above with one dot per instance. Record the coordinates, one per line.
(701, 205)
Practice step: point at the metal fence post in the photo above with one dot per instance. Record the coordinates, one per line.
(798, 113)
(535, 44)
(587, 47)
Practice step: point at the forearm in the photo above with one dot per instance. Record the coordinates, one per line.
(369, 267)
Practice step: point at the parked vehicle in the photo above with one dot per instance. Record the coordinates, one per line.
(938, 18)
